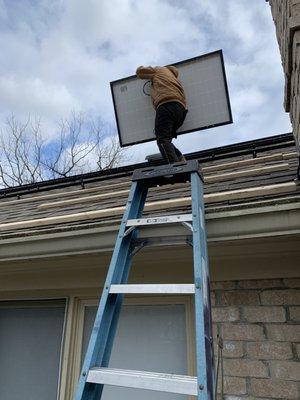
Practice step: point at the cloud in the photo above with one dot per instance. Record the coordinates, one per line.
(61, 55)
(32, 94)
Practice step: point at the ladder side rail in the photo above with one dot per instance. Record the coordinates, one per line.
(121, 276)
(204, 349)
(208, 329)
(103, 359)
(104, 356)
(110, 332)
(108, 304)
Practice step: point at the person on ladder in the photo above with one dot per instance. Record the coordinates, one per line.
(169, 102)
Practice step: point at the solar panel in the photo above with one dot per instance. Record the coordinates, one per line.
(205, 86)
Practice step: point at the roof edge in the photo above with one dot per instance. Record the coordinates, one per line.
(216, 153)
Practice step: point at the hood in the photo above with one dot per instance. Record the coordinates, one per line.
(174, 70)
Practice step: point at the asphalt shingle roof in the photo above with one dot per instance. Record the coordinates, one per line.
(102, 190)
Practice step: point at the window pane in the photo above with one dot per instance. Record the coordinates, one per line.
(30, 346)
(149, 338)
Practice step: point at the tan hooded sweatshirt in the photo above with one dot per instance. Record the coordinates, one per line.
(166, 86)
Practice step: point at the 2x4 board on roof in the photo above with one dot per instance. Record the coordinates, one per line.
(205, 85)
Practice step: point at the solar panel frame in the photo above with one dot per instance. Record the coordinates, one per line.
(218, 53)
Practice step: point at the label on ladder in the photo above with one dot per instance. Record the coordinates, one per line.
(168, 219)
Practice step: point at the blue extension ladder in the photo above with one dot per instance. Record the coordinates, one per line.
(95, 372)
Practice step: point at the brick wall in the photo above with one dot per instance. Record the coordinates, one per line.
(286, 15)
(259, 321)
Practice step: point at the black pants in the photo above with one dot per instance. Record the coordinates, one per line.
(169, 118)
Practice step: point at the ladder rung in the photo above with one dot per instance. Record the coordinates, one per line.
(163, 240)
(144, 380)
(168, 219)
(153, 288)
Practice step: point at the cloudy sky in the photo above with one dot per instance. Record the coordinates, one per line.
(58, 56)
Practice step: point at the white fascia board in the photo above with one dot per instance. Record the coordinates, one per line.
(277, 220)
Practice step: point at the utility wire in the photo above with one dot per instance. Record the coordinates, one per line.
(219, 366)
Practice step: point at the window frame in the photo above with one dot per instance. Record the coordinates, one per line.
(91, 301)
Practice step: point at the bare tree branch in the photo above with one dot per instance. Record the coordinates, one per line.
(81, 145)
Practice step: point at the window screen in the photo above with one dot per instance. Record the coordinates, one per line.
(30, 347)
(149, 338)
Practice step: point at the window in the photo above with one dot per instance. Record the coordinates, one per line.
(31, 335)
(150, 337)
